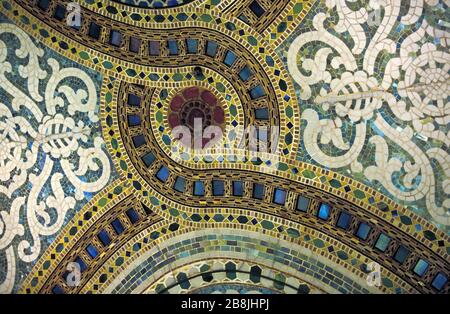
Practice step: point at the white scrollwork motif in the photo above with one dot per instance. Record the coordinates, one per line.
(54, 128)
(405, 97)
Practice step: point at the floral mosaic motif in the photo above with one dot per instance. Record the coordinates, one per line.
(196, 109)
(51, 155)
(374, 96)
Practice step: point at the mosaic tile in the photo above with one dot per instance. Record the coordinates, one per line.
(338, 187)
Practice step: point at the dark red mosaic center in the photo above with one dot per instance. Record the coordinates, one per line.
(195, 103)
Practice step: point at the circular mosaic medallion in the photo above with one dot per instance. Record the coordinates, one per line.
(199, 113)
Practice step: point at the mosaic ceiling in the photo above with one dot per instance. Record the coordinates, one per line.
(221, 146)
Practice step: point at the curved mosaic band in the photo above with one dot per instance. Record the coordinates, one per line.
(161, 196)
(289, 273)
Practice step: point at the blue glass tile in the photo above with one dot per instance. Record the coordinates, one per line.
(199, 188)
(262, 113)
(117, 226)
(81, 263)
(421, 267)
(255, 273)
(363, 231)
(173, 47)
(60, 12)
(57, 290)
(92, 251)
(138, 140)
(245, 74)
(43, 4)
(134, 100)
(104, 238)
(401, 254)
(344, 220)
(257, 92)
(302, 203)
(134, 120)
(279, 196)
(238, 188)
(218, 188)
(257, 9)
(163, 174)
(324, 211)
(230, 58)
(211, 48)
(94, 30)
(192, 45)
(439, 281)
(135, 44)
(115, 38)
(148, 159)
(258, 191)
(171, 3)
(132, 215)
(154, 48)
(180, 184)
(382, 242)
